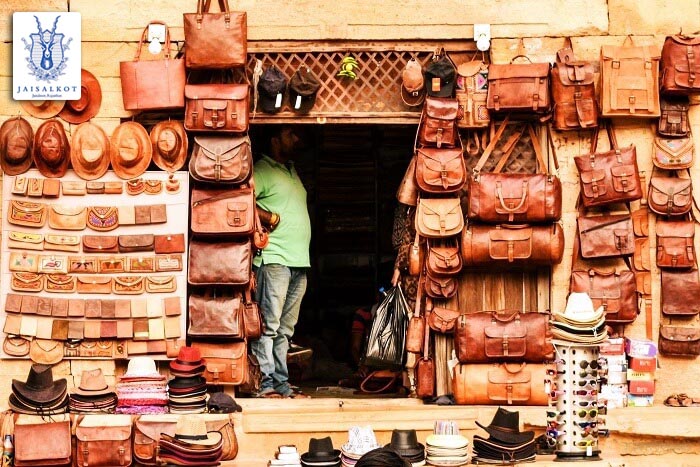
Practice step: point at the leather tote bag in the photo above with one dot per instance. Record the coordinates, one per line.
(573, 91)
(219, 263)
(680, 292)
(500, 384)
(215, 40)
(216, 317)
(440, 170)
(439, 217)
(680, 68)
(519, 87)
(670, 196)
(221, 159)
(223, 212)
(606, 236)
(675, 244)
(153, 84)
(615, 291)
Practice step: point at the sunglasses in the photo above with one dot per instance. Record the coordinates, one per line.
(585, 364)
(590, 412)
(552, 372)
(589, 432)
(555, 433)
(585, 382)
(551, 414)
(587, 424)
(587, 403)
(588, 372)
(585, 392)
(587, 442)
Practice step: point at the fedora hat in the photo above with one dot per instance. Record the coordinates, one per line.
(130, 151)
(142, 367)
(505, 427)
(51, 149)
(413, 84)
(40, 386)
(16, 142)
(169, 142)
(188, 359)
(42, 109)
(361, 439)
(93, 383)
(192, 429)
(89, 154)
(46, 351)
(83, 109)
(405, 442)
(321, 450)
(195, 382)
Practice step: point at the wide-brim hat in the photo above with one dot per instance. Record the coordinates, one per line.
(412, 84)
(89, 154)
(187, 382)
(444, 70)
(141, 367)
(405, 442)
(83, 109)
(130, 150)
(454, 442)
(93, 383)
(169, 142)
(271, 88)
(46, 351)
(16, 143)
(193, 430)
(579, 308)
(321, 450)
(505, 427)
(303, 87)
(51, 151)
(42, 109)
(40, 386)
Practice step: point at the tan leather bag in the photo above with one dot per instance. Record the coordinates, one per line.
(416, 256)
(223, 212)
(217, 107)
(407, 192)
(415, 333)
(221, 159)
(220, 263)
(440, 170)
(500, 384)
(54, 448)
(440, 287)
(519, 87)
(103, 441)
(216, 317)
(438, 127)
(425, 369)
(675, 244)
(67, 217)
(674, 121)
(670, 196)
(615, 291)
(680, 67)
(215, 40)
(606, 236)
(673, 153)
(147, 430)
(679, 340)
(227, 362)
(471, 93)
(443, 257)
(680, 292)
(489, 336)
(229, 449)
(439, 217)
(573, 91)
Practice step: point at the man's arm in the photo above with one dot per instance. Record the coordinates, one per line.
(268, 219)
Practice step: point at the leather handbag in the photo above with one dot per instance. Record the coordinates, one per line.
(440, 319)
(471, 93)
(497, 197)
(407, 193)
(67, 217)
(606, 236)
(673, 153)
(27, 214)
(218, 107)
(629, 77)
(215, 40)
(674, 122)
(216, 317)
(103, 218)
(54, 448)
(500, 384)
(440, 170)
(223, 212)
(440, 287)
(439, 217)
(438, 126)
(103, 441)
(519, 87)
(615, 291)
(489, 336)
(679, 65)
(229, 449)
(679, 340)
(443, 258)
(675, 244)
(220, 263)
(680, 290)
(610, 176)
(147, 430)
(221, 159)
(573, 92)
(670, 196)
(153, 84)
(226, 362)
(509, 245)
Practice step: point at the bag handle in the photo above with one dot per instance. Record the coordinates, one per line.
(504, 318)
(145, 35)
(611, 137)
(520, 56)
(203, 7)
(520, 368)
(379, 374)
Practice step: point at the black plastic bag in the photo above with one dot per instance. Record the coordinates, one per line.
(387, 336)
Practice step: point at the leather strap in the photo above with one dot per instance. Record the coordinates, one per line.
(496, 135)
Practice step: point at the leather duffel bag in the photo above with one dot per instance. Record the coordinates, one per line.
(680, 68)
(488, 336)
(215, 39)
(615, 291)
(103, 441)
(226, 362)
(221, 159)
(438, 123)
(573, 91)
(606, 236)
(219, 263)
(519, 87)
(217, 107)
(223, 212)
(500, 384)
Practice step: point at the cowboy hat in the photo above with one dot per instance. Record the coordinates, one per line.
(16, 142)
(51, 149)
(193, 430)
(169, 142)
(40, 386)
(42, 109)
(89, 153)
(83, 109)
(93, 383)
(130, 151)
(505, 427)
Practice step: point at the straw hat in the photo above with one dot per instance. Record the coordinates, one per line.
(192, 429)
(83, 109)
(89, 153)
(16, 143)
(130, 151)
(51, 149)
(42, 109)
(142, 367)
(169, 142)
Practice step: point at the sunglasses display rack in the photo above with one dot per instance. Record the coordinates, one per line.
(572, 418)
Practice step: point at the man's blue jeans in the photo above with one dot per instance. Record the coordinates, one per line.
(279, 293)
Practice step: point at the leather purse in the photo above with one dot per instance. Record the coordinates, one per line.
(675, 244)
(100, 244)
(22, 261)
(471, 94)
(215, 40)
(222, 263)
(216, 317)
(489, 336)
(439, 217)
(407, 193)
(53, 264)
(102, 218)
(36, 187)
(169, 243)
(25, 240)
(252, 319)
(27, 214)
(440, 319)
(153, 84)
(67, 217)
(443, 258)
(629, 77)
(229, 449)
(670, 196)
(140, 265)
(128, 285)
(510, 245)
(227, 212)
(27, 282)
(615, 291)
(94, 284)
(13, 303)
(60, 283)
(134, 243)
(15, 346)
(168, 263)
(74, 187)
(573, 92)
(680, 290)
(52, 188)
(673, 153)
(440, 170)
(679, 65)
(221, 159)
(219, 107)
(150, 214)
(160, 284)
(54, 448)
(519, 87)
(440, 287)
(226, 362)
(674, 122)
(679, 340)
(70, 243)
(606, 236)
(438, 126)
(103, 441)
(500, 384)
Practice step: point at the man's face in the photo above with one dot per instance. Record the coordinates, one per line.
(290, 143)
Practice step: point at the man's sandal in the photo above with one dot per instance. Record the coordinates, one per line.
(681, 400)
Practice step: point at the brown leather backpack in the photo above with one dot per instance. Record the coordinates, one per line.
(573, 91)
(438, 123)
(680, 67)
(674, 117)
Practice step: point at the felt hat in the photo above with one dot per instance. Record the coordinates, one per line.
(130, 151)
(413, 84)
(303, 87)
(46, 351)
(16, 143)
(93, 383)
(141, 367)
(405, 442)
(193, 430)
(220, 402)
(40, 386)
(321, 450)
(51, 151)
(440, 77)
(505, 427)
(83, 109)
(187, 382)
(42, 109)
(188, 360)
(271, 90)
(89, 153)
(169, 142)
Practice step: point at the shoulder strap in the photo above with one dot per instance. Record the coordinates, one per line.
(491, 146)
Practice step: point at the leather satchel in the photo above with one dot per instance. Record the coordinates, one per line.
(147, 430)
(441, 319)
(606, 236)
(615, 291)
(629, 77)
(487, 336)
(674, 122)
(221, 159)
(153, 84)
(673, 153)
(103, 441)
(54, 448)
(679, 340)
(509, 245)
(221, 263)
(675, 244)
(670, 196)
(226, 362)
(425, 369)
(680, 67)
(217, 317)
(229, 448)
(223, 212)
(218, 107)
(500, 384)
(416, 256)
(439, 217)
(680, 292)
(443, 257)
(573, 91)
(215, 40)
(440, 170)
(438, 126)
(519, 87)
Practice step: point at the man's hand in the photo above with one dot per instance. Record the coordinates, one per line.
(396, 277)
(269, 220)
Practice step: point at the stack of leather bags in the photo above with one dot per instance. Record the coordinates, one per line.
(192, 444)
(187, 391)
(506, 443)
(446, 447)
(142, 390)
(580, 322)
(93, 394)
(40, 394)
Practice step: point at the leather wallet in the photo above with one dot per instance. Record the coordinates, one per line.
(52, 188)
(139, 308)
(29, 303)
(154, 307)
(156, 329)
(131, 243)
(28, 326)
(125, 329)
(35, 187)
(12, 324)
(76, 329)
(161, 284)
(128, 285)
(13, 303)
(60, 283)
(23, 261)
(44, 328)
(94, 284)
(156, 346)
(109, 309)
(25, 240)
(19, 186)
(112, 265)
(69, 243)
(141, 264)
(127, 215)
(172, 306)
(168, 263)
(53, 264)
(83, 265)
(135, 347)
(158, 214)
(122, 308)
(74, 188)
(93, 308)
(43, 306)
(172, 327)
(60, 330)
(141, 329)
(95, 188)
(27, 282)
(142, 215)
(59, 307)
(173, 346)
(108, 329)
(114, 188)
(76, 307)
(92, 329)
(171, 243)
(100, 244)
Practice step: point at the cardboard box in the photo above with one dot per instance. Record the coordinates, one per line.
(639, 401)
(640, 348)
(615, 346)
(641, 388)
(615, 396)
(617, 377)
(642, 364)
(640, 375)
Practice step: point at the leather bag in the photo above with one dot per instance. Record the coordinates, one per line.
(494, 336)
(670, 196)
(100, 244)
(675, 244)
(153, 84)
(629, 77)
(674, 122)
(573, 92)
(217, 317)
(221, 159)
(407, 193)
(471, 94)
(679, 340)
(416, 256)
(680, 67)
(509, 245)
(147, 430)
(222, 263)
(223, 212)
(54, 448)
(438, 126)
(606, 236)
(440, 170)
(441, 319)
(440, 287)
(103, 441)
(680, 292)
(215, 40)
(500, 384)
(673, 153)
(415, 333)
(67, 217)
(443, 257)
(217, 107)
(229, 449)
(226, 362)
(439, 217)
(519, 87)
(615, 291)
(425, 369)
(135, 243)
(252, 320)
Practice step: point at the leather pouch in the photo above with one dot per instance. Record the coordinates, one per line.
(128, 285)
(216, 107)
(74, 188)
(25, 240)
(76, 307)
(27, 214)
(229, 448)
(100, 244)
(13, 325)
(27, 282)
(126, 215)
(83, 265)
(59, 332)
(439, 217)
(67, 217)
(161, 284)
(112, 264)
(168, 263)
(43, 306)
(44, 330)
(35, 188)
(221, 159)
(95, 188)
(252, 320)
(215, 317)
(222, 263)
(103, 441)
(673, 153)
(125, 329)
(93, 308)
(425, 377)
(61, 283)
(29, 304)
(170, 243)
(132, 243)
(70, 243)
(226, 363)
(23, 261)
(94, 284)
(171, 306)
(615, 291)
(54, 448)
(680, 292)
(114, 188)
(228, 212)
(141, 264)
(670, 196)
(442, 320)
(59, 307)
(102, 218)
(679, 340)
(675, 244)
(500, 384)
(13, 303)
(605, 236)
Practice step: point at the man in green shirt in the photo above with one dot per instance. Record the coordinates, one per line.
(280, 269)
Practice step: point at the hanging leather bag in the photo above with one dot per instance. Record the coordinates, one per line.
(500, 384)
(573, 91)
(103, 441)
(219, 263)
(606, 236)
(680, 292)
(674, 122)
(471, 93)
(615, 291)
(519, 87)
(415, 333)
(54, 448)
(439, 217)
(670, 196)
(425, 369)
(673, 153)
(216, 107)
(438, 126)
(252, 321)
(680, 67)
(215, 40)
(675, 243)
(440, 287)
(407, 192)
(223, 212)
(440, 170)
(221, 159)
(439, 318)
(226, 362)
(216, 317)
(443, 257)
(679, 340)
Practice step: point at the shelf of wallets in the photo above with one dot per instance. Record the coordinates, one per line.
(92, 269)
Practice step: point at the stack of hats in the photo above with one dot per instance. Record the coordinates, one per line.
(192, 444)
(446, 447)
(405, 442)
(506, 443)
(93, 394)
(142, 390)
(321, 453)
(40, 394)
(187, 391)
(361, 440)
(580, 322)
(286, 456)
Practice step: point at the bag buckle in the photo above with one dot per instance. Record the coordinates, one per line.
(511, 251)
(505, 345)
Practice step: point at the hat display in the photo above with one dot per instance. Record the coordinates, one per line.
(142, 367)
(505, 427)
(579, 307)
(89, 154)
(188, 389)
(361, 439)
(46, 351)
(51, 151)
(271, 90)
(188, 359)
(192, 429)
(321, 452)
(413, 84)
(16, 143)
(40, 386)
(93, 383)
(446, 447)
(303, 87)
(83, 109)
(42, 109)
(580, 322)
(131, 150)
(169, 142)
(440, 77)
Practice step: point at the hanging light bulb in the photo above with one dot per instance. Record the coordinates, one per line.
(154, 47)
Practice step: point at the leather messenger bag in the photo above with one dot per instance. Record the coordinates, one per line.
(500, 384)
(226, 362)
(54, 448)
(217, 107)
(606, 236)
(615, 291)
(519, 87)
(221, 159)
(223, 212)
(103, 441)
(222, 263)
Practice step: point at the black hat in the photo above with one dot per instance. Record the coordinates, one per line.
(405, 442)
(302, 90)
(505, 427)
(321, 450)
(271, 90)
(220, 402)
(40, 386)
(440, 77)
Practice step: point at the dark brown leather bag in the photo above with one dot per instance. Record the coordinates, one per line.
(443, 258)
(670, 196)
(509, 245)
(674, 122)
(440, 170)
(223, 212)
(680, 292)
(615, 291)
(221, 159)
(226, 362)
(217, 107)
(675, 244)
(147, 430)
(220, 263)
(500, 384)
(216, 317)
(215, 40)
(438, 127)
(489, 336)
(606, 236)
(104, 441)
(252, 321)
(680, 67)
(519, 87)
(679, 340)
(440, 287)
(573, 91)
